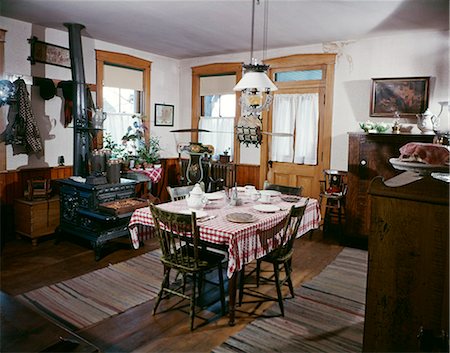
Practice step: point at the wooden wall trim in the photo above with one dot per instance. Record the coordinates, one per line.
(106, 57)
(3, 114)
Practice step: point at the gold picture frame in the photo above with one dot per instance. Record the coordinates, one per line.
(408, 96)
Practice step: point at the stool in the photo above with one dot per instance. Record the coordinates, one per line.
(333, 190)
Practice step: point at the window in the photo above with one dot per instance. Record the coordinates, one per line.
(297, 113)
(218, 112)
(123, 91)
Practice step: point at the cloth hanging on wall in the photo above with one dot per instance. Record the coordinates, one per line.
(22, 131)
(68, 91)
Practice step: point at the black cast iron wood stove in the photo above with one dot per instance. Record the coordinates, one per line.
(80, 215)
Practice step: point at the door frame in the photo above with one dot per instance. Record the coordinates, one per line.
(326, 62)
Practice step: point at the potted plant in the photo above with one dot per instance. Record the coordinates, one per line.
(149, 153)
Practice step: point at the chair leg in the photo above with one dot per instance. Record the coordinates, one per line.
(164, 284)
(258, 271)
(288, 270)
(241, 284)
(192, 307)
(222, 289)
(276, 270)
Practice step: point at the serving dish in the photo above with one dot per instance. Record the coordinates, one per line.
(421, 168)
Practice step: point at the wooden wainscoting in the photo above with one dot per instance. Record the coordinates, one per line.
(12, 186)
(247, 174)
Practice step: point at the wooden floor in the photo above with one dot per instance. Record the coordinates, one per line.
(24, 268)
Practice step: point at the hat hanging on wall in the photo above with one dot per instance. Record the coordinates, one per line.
(47, 89)
(67, 88)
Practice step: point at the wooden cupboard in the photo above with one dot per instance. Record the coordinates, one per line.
(368, 157)
(407, 283)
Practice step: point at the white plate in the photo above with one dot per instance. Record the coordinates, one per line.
(198, 213)
(421, 168)
(271, 192)
(213, 197)
(267, 208)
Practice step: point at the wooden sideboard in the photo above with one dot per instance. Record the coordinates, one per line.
(368, 157)
(407, 298)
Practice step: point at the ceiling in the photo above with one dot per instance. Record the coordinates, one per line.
(193, 28)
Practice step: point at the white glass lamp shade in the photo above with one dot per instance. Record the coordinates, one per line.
(255, 80)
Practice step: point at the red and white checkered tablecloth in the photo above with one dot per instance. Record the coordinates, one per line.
(154, 174)
(240, 239)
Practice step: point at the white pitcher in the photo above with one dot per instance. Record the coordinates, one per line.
(425, 121)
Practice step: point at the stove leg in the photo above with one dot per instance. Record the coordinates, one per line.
(97, 251)
(58, 235)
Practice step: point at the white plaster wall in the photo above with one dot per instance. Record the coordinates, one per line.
(415, 54)
(59, 140)
(418, 53)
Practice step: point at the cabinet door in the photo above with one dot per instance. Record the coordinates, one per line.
(407, 285)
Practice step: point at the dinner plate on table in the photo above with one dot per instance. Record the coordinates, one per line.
(241, 217)
(290, 198)
(267, 208)
(271, 192)
(214, 197)
(199, 213)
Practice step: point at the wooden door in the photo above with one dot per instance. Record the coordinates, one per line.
(292, 174)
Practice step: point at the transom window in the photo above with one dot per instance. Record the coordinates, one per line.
(302, 75)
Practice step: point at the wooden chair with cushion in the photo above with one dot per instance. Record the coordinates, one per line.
(179, 240)
(282, 255)
(287, 190)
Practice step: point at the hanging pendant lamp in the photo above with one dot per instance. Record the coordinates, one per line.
(255, 85)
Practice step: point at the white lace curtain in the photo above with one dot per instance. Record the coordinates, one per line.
(221, 135)
(296, 114)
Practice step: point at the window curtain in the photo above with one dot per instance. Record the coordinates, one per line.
(296, 114)
(221, 135)
(117, 125)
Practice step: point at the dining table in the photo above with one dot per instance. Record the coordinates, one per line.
(232, 228)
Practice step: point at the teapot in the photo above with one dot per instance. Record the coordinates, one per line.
(425, 121)
(196, 198)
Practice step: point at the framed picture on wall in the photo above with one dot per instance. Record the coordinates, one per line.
(408, 96)
(47, 53)
(164, 114)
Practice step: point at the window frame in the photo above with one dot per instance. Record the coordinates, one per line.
(111, 58)
(213, 70)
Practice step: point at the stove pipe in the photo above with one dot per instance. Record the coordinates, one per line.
(81, 136)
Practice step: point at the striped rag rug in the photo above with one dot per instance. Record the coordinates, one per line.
(88, 299)
(326, 315)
